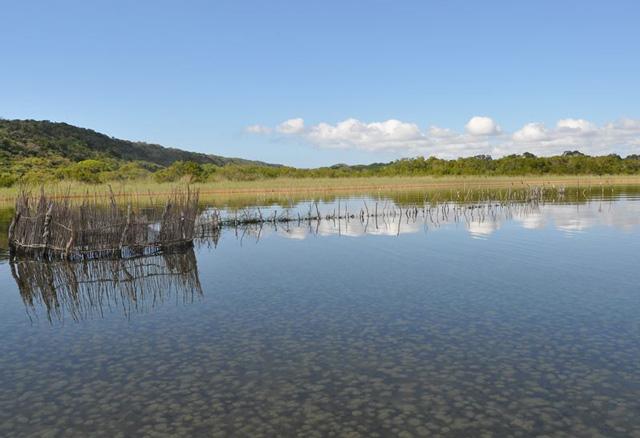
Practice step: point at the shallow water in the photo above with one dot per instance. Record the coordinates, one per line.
(520, 323)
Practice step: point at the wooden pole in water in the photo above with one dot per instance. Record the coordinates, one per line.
(126, 227)
(46, 234)
(12, 230)
(182, 225)
(375, 215)
(67, 250)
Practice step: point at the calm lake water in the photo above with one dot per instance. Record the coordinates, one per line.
(503, 322)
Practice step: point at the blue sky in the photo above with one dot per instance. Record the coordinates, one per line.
(371, 81)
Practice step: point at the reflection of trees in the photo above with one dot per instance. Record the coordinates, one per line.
(90, 288)
(6, 214)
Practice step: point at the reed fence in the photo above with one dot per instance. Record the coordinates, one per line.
(64, 228)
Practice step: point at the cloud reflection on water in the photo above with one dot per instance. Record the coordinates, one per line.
(564, 217)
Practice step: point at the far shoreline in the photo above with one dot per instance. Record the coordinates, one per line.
(310, 186)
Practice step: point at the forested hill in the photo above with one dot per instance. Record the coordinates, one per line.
(34, 138)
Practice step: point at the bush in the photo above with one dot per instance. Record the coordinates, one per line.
(181, 170)
(88, 171)
(127, 172)
(7, 180)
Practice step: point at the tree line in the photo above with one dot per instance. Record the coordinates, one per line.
(45, 169)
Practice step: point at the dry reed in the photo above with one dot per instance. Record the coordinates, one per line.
(61, 228)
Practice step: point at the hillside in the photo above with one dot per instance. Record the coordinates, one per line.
(33, 138)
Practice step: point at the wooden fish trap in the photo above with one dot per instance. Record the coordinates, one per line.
(98, 227)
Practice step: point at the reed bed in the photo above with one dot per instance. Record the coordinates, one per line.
(306, 186)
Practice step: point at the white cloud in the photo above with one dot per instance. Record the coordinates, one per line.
(482, 135)
(531, 132)
(625, 124)
(436, 131)
(390, 134)
(576, 125)
(291, 126)
(480, 125)
(622, 137)
(258, 129)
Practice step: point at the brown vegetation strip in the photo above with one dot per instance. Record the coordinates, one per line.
(569, 181)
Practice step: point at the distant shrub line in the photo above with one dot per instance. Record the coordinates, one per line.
(96, 171)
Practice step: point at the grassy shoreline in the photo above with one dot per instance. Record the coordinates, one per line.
(285, 186)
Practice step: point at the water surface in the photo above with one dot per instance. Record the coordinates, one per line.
(519, 323)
